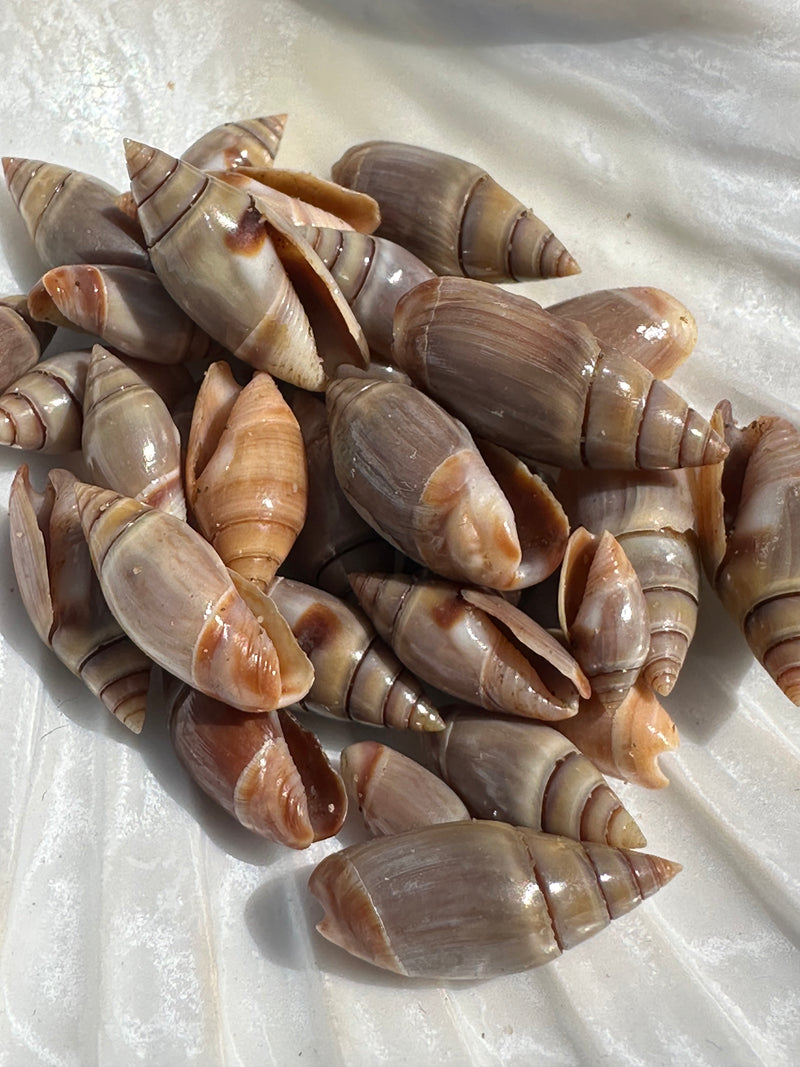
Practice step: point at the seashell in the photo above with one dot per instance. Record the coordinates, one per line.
(266, 770)
(395, 793)
(130, 443)
(476, 899)
(372, 273)
(243, 143)
(222, 261)
(757, 576)
(128, 309)
(603, 612)
(62, 596)
(43, 410)
(73, 217)
(173, 596)
(645, 323)
(415, 475)
(452, 214)
(356, 676)
(651, 514)
(22, 339)
(528, 774)
(335, 539)
(297, 212)
(626, 741)
(456, 640)
(246, 472)
(541, 385)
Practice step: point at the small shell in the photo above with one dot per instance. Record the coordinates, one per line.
(450, 638)
(476, 899)
(647, 324)
(73, 217)
(43, 410)
(356, 675)
(126, 308)
(452, 214)
(265, 770)
(173, 596)
(246, 472)
(395, 793)
(541, 385)
(62, 596)
(603, 612)
(22, 339)
(129, 441)
(243, 143)
(528, 774)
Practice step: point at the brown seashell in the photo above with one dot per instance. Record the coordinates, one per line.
(242, 143)
(43, 410)
(22, 339)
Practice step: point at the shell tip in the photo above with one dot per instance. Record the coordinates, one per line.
(426, 718)
(623, 831)
(567, 265)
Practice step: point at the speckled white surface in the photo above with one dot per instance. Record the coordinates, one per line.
(138, 925)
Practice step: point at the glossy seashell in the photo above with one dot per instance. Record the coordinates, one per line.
(130, 443)
(246, 475)
(415, 475)
(648, 324)
(468, 644)
(43, 410)
(394, 793)
(372, 273)
(267, 771)
(356, 675)
(22, 339)
(528, 774)
(238, 273)
(476, 899)
(62, 596)
(335, 539)
(758, 575)
(603, 612)
(542, 385)
(173, 596)
(242, 143)
(452, 214)
(293, 210)
(128, 309)
(627, 741)
(73, 217)
(651, 514)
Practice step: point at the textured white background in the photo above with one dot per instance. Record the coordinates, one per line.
(138, 924)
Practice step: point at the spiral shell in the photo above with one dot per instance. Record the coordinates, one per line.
(43, 410)
(452, 214)
(266, 770)
(541, 385)
(476, 899)
(241, 143)
(22, 339)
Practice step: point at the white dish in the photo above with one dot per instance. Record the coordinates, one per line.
(139, 924)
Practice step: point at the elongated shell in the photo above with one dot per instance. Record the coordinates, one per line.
(246, 472)
(335, 539)
(356, 675)
(297, 212)
(62, 596)
(452, 214)
(173, 596)
(126, 308)
(395, 793)
(528, 774)
(603, 612)
(414, 474)
(645, 323)
(651, 514)
(267, 771)
(43, 410)
(241, 143)
(448, 638)
(129, 441)
(235, 271)
(72, 217)
(542, 385)
(22, 339)
(476, 899)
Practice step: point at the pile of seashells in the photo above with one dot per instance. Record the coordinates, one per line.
(472, 449)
